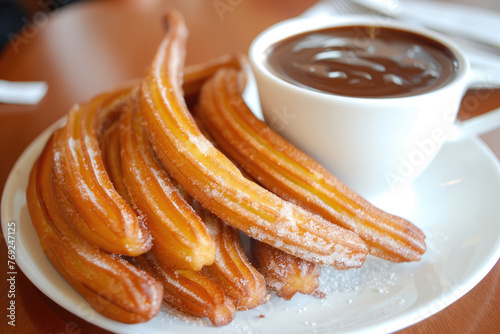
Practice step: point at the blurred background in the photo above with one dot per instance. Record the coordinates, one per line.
(15, 14)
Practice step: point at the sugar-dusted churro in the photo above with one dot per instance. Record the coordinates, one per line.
(110, 285)
(190, 292)
(232, 270)
(132, 174)
(107, 220)
(111, 155)
(285, 273)
(181, 239)
(216, 183)
(294, 176)
(196, 75)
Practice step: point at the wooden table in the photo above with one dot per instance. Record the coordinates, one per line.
(90, 47)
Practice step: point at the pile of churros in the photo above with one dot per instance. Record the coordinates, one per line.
(141, 200)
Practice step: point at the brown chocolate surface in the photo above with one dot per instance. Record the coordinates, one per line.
(363, 61)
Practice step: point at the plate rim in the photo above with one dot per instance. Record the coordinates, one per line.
(396, 322)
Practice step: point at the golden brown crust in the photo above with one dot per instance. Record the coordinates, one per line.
(190, 292)
(284, 273)
(111, 154)
(107, 220)
(181, 239)
(230, 260)
(232, 270)
(100, 180)
(217, 184)
(196, 75)
(294, 176)
(112, 286)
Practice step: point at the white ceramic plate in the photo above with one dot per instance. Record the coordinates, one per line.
(455, 202)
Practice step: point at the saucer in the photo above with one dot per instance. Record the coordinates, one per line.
(454, 202)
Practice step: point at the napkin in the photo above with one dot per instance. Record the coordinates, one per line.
(16, 92)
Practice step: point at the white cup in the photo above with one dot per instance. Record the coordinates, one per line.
(373, 145)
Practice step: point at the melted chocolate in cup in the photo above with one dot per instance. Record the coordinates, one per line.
(363, 61)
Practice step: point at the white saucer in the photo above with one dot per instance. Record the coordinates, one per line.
(455, 202)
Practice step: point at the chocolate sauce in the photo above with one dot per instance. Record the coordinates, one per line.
(363, 61)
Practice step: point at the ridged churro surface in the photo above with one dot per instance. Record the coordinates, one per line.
(217, 184)
(232, 270)
(284, 273)
(181, 239)
(107, 220)
(190, 292)
(111, 285)
(294, 176)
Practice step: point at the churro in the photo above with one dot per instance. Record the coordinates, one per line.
(131, 173)
(284, 273)
(110, 285)
(111, 155)
(181, 239)
(195, 75)
(190, 292)
(107, 220)
(216, 183)
(294, 176)
(232, 270)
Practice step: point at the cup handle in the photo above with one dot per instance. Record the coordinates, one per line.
(485, 79)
